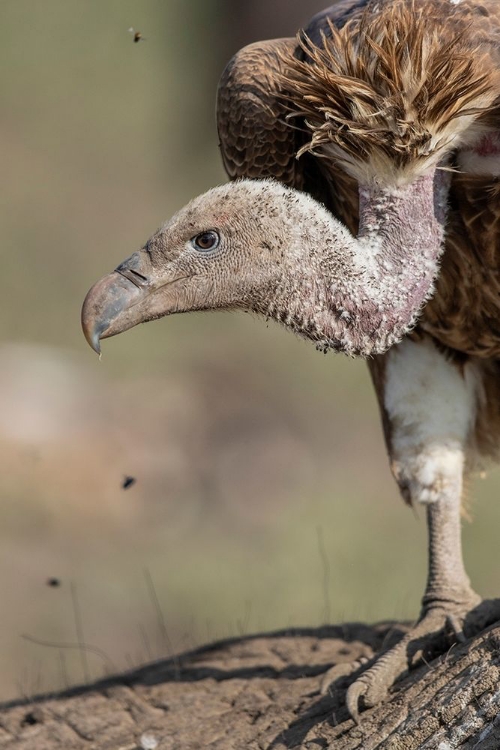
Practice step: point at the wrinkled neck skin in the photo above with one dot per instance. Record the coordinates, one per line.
(362, 295)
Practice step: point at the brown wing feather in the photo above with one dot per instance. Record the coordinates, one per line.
(255, 140)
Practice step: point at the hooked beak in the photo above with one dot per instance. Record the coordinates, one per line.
(117, 301)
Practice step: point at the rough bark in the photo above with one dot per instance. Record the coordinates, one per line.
(262, 692)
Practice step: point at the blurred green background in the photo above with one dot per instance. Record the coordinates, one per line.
(263, 497)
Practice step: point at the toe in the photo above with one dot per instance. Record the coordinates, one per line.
(455, 624)
(340, 670)
(353, 696)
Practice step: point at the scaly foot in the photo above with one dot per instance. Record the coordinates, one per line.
(441, 624)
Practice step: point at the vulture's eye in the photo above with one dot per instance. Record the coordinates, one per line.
(206, 241)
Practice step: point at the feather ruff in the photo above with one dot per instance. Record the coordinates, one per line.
(384, 97)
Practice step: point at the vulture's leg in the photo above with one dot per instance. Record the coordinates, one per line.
(428, 405)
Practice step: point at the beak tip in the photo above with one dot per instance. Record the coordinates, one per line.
(91, 332)
(93, 340)
(106, 307)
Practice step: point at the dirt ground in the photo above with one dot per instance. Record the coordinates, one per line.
(262, 693)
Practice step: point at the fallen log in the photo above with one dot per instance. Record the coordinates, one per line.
(262, 692)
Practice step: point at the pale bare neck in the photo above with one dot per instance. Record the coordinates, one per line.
(361, 295)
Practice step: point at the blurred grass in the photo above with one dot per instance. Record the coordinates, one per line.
(263, 497)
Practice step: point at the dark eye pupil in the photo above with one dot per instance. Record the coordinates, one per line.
(206, 240)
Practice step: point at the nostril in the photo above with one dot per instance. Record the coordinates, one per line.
(139, 275)
(134, 276)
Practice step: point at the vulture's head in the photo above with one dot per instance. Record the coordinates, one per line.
(225, 250)
(260, 246)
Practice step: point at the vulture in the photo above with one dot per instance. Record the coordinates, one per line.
(363, 213)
